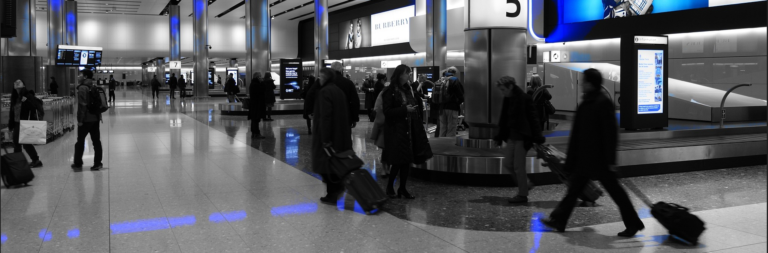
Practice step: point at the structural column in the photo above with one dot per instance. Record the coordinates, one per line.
(24, 44)
(175, 39)
(70, 23)
(257, 37)
(160, 71)
(200, 46)
(20, 60)
(321, 34)
(55, 28)
(437, 33)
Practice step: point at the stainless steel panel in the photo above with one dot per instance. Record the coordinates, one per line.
(508, 58)
(476, 76)
(463, 141)
(437, 33)
(70, 23)
(174, 21)
(25, 42)
(321, 34)
(200, 48)
(55, 28)
(28, 69)
(257, 23)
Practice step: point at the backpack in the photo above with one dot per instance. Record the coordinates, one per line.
(97, 100)
(440, 93)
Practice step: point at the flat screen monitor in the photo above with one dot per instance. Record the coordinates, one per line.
(650, 81)
(78, 56)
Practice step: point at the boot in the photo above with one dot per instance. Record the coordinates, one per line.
(391, 182)
(402, 192)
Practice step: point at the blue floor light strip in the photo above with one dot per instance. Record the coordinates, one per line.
(73, 233)
(139, 226)
(303, 208)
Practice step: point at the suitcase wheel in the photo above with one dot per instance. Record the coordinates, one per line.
(367, 213)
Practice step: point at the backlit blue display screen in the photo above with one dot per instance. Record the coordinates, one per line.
(591, 10)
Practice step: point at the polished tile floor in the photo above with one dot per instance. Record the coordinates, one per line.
(181, 178)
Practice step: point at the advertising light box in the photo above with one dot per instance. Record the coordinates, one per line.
(391, 27)
(650, 81)
(290, 73)
(590, 10)
(355, 33)
(644, 85)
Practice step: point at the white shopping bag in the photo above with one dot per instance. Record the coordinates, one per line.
(32, 132)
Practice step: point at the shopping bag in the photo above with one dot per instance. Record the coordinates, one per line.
(32, 132)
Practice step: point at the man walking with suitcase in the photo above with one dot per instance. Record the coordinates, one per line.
(331, 125)
(592, 155)
(87, 123)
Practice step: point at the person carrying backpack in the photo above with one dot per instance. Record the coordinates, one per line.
(89, 109)
(449, 98)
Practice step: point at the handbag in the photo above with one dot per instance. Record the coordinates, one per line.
(342, 163)
(548, 107)
(33, 132)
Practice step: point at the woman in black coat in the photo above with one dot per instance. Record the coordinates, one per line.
(308, 94)
(269, 95)
(331, 130)
(369, 87)
(539, 100)
(406, 140)
(256, 107)
(592, 155)
(24, 106)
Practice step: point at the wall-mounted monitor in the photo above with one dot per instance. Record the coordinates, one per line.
(78, 56)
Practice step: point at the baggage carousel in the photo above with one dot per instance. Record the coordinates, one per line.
(639, 153)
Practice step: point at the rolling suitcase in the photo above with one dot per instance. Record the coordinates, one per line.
(555, 160)
(15, 169)
(677, 219)
(360, 184)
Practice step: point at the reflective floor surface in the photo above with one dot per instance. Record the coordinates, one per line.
(181, 178)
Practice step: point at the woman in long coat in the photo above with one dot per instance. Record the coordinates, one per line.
(406, 140)
(370, 97)
(308, 94)
(331, 125)
(269, 95)
(257, 107)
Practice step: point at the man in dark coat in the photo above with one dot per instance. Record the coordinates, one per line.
(172, 83)
(155, 87)
(331, 125)
(308, 94)
(350, 91)
(592, 155)
(112, 85)
(256, 107)
(182, 86)
(370, 97)
(54, 87)
(231, 88)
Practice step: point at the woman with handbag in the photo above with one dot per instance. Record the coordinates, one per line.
(269, 95)
(24, 106)
(406, 139)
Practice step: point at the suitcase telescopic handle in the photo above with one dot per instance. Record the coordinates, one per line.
(634, 189)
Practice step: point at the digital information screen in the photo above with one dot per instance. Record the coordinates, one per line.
(291, 73)
(650, 81)
(78, 56)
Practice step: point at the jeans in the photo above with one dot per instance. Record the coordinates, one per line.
(27, 147)
(155, 92)
(231, 97)
(514, 162)
(112, 95)
(173, 93)
(614, 189)
(449, 119)
(91, 128)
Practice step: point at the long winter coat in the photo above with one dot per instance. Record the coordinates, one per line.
(230, 86)
(350, 91)
(256, 108)
(592, 146)
(330, 125)
(269, 91)
(370, 94)
(538, 102)
(308, 95)
(519, 120)
(404, 133)
(31, 109)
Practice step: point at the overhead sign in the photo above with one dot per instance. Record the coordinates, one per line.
(390, 64)
(496, 13)
(391, 27)
(651, 40)
(555, 56)
(174, 64)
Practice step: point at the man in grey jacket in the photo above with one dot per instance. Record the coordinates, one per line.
(87, 123)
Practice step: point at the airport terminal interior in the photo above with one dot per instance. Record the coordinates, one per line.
(212, 118)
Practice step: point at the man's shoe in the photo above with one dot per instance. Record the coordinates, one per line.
(518, 199)
(551, 223)
(97, 167)
(328, 200)
(36, 164)
(630, 232)
(77, 167)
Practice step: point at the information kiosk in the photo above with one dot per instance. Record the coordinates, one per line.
(644, 86)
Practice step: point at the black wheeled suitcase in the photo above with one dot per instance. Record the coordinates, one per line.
(555, 160)
(15, 169)
(676, 218)
(367, 192)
